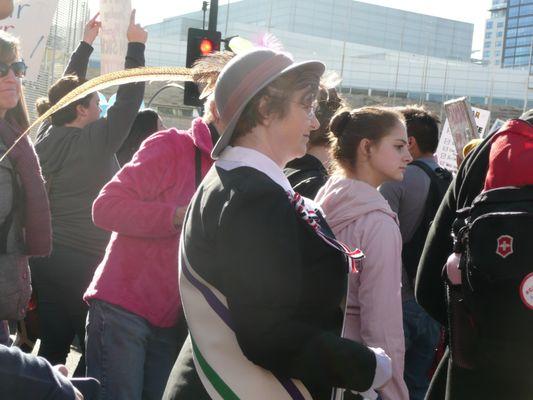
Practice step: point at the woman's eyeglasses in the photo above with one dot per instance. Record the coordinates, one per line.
(310, 109)
(19, 69)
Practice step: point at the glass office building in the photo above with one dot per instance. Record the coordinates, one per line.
(354, 22)
(518, 38)
(494, 33)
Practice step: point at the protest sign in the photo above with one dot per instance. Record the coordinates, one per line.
(33, 36)
(461, 122)
(447, 151)
(115, 17)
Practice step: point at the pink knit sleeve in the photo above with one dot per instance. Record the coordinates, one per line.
(129, 204)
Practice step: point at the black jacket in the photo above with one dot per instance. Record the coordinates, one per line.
(23, 376)
(306, 175)
(283, 283)
(451, 382)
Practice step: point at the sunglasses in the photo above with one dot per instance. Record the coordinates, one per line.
(19, 69)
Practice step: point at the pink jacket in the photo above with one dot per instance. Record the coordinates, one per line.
(361, 217)
(140, 269)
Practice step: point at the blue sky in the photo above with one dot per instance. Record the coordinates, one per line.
(473, 11)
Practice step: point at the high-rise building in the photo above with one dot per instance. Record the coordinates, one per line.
(494, 33)
(518, 38)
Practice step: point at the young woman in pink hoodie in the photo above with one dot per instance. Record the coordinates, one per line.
(369, 147)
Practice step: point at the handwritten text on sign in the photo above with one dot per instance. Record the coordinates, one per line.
(32, 35)
(115, 16)
(446, 151)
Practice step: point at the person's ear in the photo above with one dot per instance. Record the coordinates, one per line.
(266, 115)
(81, 111)
(411, 142)
(365, 147)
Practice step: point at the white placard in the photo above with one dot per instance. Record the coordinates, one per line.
(446, 153)
(30, 22)
(115, 17)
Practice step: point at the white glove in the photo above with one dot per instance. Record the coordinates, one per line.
(383, 368)
(370, 394)
(382, 375)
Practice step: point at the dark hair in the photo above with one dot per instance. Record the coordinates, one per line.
(328, 103)
(423, 125)
(277, 94)
(57, 91)
(348, 128)
(144, 125)
(9, 51)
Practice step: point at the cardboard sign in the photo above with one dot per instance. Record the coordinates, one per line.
(115, 17)
(30, 21)
(461, 121)
(447, 150)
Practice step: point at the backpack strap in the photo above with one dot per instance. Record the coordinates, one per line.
(198, 166)
(412, 250)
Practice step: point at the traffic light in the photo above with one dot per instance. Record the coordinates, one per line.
(200, 43)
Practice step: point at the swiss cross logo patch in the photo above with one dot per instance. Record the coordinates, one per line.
(505, 246)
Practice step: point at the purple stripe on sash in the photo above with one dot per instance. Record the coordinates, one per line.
(209, 296)
(224, 314)
(290, 387)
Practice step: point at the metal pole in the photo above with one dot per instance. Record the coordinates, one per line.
(204, 9)
(528, 75)
(213, 15)
(227, 18)
(160, 90)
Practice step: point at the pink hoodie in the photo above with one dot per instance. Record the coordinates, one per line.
(361, 217)
(140, 269)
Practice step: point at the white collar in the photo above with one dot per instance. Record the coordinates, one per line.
(238, 156)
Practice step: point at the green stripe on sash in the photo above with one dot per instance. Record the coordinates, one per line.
(217, 382)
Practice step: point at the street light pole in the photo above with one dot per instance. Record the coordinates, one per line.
(213, 15)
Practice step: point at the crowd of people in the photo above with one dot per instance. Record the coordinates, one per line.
(285, 246)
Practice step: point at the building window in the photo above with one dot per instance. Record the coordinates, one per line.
(497, 54)
(511, 33)
(512, 23)
(513, 11)
(499, 34)
(499, 44)
(486, 54)
(499, 25)
(488, 25)
(488, 35)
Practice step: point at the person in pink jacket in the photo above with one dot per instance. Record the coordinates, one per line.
(135, 326)
(369, 147)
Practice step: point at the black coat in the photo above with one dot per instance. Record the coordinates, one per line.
(282, 282)
(306, 175)
(451, 382)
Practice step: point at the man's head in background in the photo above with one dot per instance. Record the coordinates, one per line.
(422, 130)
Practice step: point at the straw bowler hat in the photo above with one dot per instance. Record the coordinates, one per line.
(243, 77)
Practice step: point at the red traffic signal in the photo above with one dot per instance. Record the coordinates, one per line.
(206, 47)
(200, 43)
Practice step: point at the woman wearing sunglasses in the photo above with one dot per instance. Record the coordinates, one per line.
(24, 211)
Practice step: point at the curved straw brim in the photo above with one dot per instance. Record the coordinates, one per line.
(133, 75)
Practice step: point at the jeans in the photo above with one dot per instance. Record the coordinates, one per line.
(422, 334)
(131, 358)
(59, 282)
